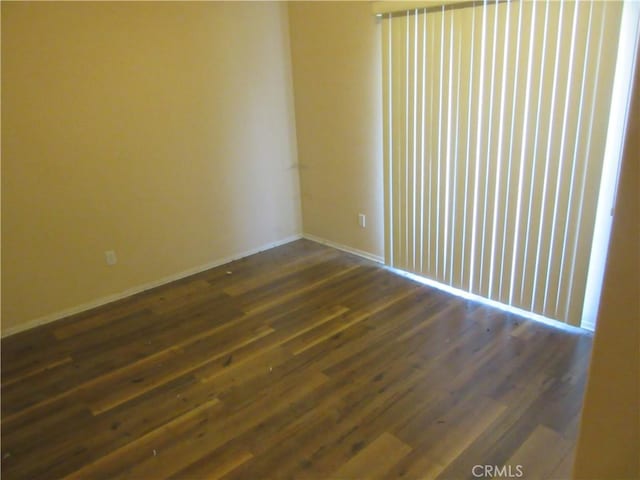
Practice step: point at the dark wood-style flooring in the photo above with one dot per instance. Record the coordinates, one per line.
(300, 362)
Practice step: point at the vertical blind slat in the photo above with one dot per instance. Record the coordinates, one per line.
(410, 137)
(387, 137)
(468, 28)
(457, 175)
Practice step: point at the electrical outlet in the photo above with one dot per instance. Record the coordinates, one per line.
(110, 257)
(362, 220)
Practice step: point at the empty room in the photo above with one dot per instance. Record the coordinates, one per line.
(320, 240)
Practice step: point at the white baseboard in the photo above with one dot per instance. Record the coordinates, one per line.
(52, 317)
(344, 248)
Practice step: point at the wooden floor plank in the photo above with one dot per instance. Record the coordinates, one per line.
(148, 444)
(540, 453)
(564, 469)
(187, 446)
(375, 460)
(445, 433)
(35, 370)
(300, 362)
(130, 383)
(215, 465)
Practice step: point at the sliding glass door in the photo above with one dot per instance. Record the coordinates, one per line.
(496, 120)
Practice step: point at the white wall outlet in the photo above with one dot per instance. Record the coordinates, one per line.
(362, 220)
(110, 257)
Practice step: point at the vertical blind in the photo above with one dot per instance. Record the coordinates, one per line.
(495, 124)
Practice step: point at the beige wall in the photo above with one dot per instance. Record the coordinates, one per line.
(164, 131)
(336, 54)
(609, 442)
